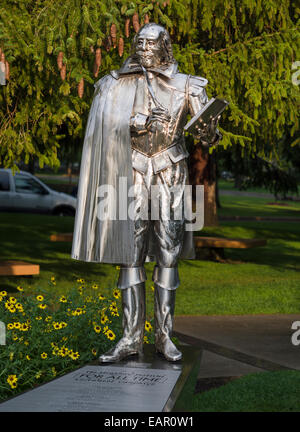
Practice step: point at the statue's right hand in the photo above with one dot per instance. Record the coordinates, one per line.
(158, 118)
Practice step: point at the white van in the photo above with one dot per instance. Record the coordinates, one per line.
(23, 192)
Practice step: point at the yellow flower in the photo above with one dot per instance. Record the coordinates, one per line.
(52, 279)
(19, 288)
(74, 355)
(12, 300)
(3, 293)
(44, 355)
(113, 309)
(39, 298)
(81, 281)
(110, 335)
(56, 325)
(48, 318)
(152, 288)
(94, 351)
(103, 319)
(63, 324)
(116, 293)
(118, 267)
(146, 340)
(38, 318)
(95, 286)
(24, 327)
(101, 297)
(10, 326)
(77, 312)
(15, 338)
(63, 352)
(17, 325)
(12, 381)
(63, 299)
(38, 374)
(42, 306)
(19, 307)
(148, 326)
(55, 351)
(28, 357)
(97, 328)
(1, 298)
(12, 309)
(11, 356)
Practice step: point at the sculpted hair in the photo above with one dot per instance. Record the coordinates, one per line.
(165, 40)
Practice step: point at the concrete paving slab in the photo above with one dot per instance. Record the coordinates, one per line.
(215, 365)
(266, 338)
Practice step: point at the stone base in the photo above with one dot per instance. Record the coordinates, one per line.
(138, 384)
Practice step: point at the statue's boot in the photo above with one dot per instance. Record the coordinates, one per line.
(133, 321)
(166, 281)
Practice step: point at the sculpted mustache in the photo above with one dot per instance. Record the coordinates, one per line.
(142, 54)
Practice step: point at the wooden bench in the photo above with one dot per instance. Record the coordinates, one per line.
(18, 268)
(216, 245)
(66, 237)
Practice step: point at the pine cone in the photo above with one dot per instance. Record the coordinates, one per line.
(113, 34)
(63, 72)
(80, 88)
(96, 70)
(6, 70)
(121, 46)
(127, 27)
(60, 60)
(135, 22)
(97, 63)
(98, 57)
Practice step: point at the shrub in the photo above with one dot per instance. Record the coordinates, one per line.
(48, 335)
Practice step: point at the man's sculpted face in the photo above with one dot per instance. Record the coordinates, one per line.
(149, 46)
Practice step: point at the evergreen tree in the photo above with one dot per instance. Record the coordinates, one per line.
(55, 51)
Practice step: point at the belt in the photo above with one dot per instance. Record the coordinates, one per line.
(160, 161)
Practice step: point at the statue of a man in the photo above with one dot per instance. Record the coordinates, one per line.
(135, 132)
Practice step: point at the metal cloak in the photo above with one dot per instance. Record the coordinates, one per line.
(107, 157)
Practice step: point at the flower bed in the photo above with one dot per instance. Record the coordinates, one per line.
(48, 335)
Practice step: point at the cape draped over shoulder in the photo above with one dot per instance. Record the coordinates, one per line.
(107, 156)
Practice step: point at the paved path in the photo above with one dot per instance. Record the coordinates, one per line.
(226, 192)
(235, 345)
(259, 218)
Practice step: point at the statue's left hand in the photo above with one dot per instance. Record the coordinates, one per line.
(207, 132)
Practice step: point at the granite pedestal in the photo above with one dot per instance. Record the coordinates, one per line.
(138, 384)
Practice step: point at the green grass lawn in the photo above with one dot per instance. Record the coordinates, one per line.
(229, 185)
(256, 206)
(261, 392)
(260, 280)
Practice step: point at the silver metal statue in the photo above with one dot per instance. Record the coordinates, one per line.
(135, 132)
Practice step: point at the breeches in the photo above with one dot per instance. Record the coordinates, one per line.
(158, 214)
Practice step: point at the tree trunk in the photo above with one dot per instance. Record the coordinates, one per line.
(31, 165)
(203, 172)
